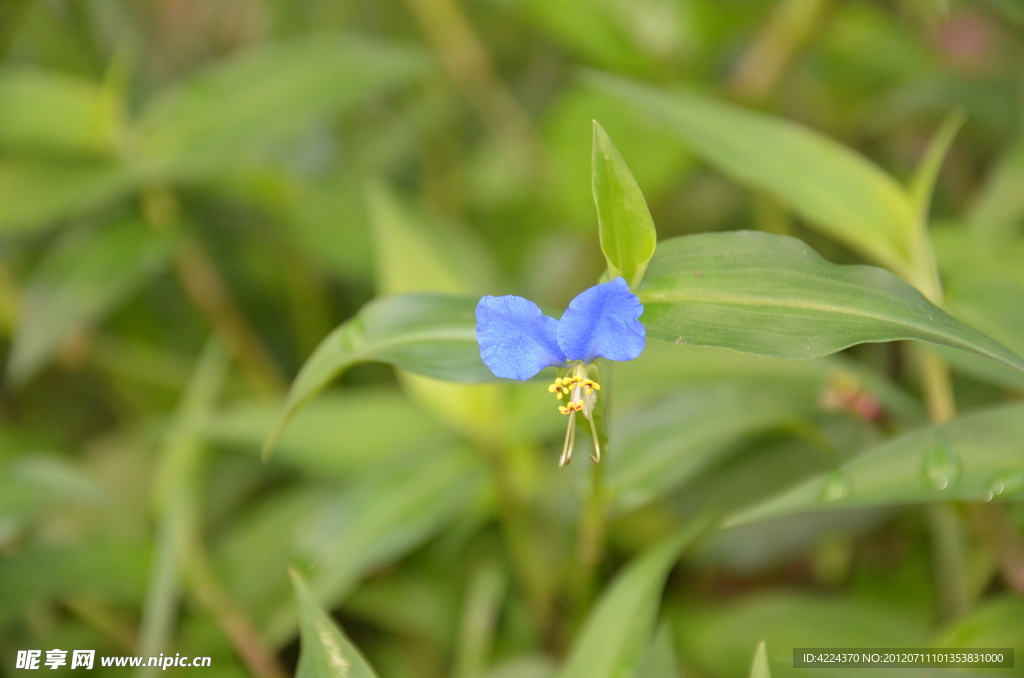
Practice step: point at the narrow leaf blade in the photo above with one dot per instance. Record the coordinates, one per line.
(619, 629)
(326, 652)
(627, 232)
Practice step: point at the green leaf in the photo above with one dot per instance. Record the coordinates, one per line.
(429, 334)
(661, 445)
(83, 277)
(999, 210)
(35, 192)
(112, 570)
(997, 622)
(628, 237)
(774, 295)
(973, 458)
(618, 630)
(268, 94)
(716, 638)
(338, 434)
(326, 652)
(834, 188)
(660, 659)
(922, 185)
(52, 111)
(415, 254)
(388, 512)
(760, 669)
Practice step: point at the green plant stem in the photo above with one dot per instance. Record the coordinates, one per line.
(250, 646)
(470, 66)
(162, 595)
(209, 294)
(590, 542)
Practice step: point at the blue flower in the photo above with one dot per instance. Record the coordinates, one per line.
(517, 341)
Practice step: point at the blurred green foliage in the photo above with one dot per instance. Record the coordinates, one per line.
(202, 201)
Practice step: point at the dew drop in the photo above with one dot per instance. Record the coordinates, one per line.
(837, 486)
(941, 464)
(1007, 483)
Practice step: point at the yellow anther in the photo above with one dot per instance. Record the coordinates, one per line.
(571, 407)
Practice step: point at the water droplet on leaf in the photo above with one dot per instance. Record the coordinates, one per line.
(941, 464)
(1007, 484)
(837, 486)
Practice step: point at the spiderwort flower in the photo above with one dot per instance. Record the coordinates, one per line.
(517, 341)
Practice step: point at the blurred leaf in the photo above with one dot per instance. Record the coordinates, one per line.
(831, 186)
(984, 286)
(774, 295)
(760, 668)
(227, 112)
(385, 513)
(590, 30)
(339, 433)
(716, 639)
(326, 652)
(52, 111)
(660, 445)
(663, 367)
(922, 185)
(619, 628)
(626, 229)
(973, 458)
(997, 622)
(35, 192)
(430, 334)
(83, 277)
(999, 210)
(660, 658)
(115, 571)
(413, 257)
(38, 483)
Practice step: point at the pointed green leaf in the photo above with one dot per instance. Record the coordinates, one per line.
(326, 652)
(429, 334)
(84, 276)
(973, 458)
(927, 173)
(627, 231)
(416, 254)
(773, 295)
(760, 669)
(619, 629)
(834, 188)
(264, 95)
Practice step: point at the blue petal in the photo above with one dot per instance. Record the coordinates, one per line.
(516, 340)
(602, 323)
